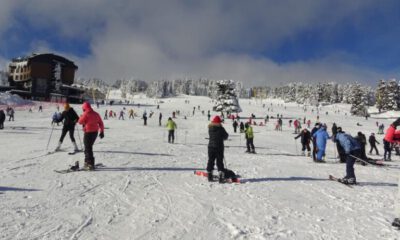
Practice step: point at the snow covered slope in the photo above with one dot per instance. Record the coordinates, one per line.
(147, 189)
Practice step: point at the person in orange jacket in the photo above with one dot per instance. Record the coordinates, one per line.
(92, 124)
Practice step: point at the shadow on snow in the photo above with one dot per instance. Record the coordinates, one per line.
(3, 189)
(138, 153)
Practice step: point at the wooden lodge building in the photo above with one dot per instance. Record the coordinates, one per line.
(44, 77)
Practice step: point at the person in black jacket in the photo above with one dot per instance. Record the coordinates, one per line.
(305, 141)
(235, 125)
(363, 142)
(70, 119)
(2, 119)
(217, 135)
(372, 141)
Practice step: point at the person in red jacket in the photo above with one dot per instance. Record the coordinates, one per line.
(92, 124)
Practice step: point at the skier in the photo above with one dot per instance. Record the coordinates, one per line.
(171, 126)
(280, 123)
(241, 126)
(305, 141)
(352, 151)
(121, 115)
(372, 141)
(363, 142)
(387, 150)
(314, 143)
(54, 119)
(321, 137)
(11, 114)
(105, 114)
(159, 118)
(92, 124)
(217, 135)
(208, 115)
(40, 108)
(308, 123)
(249, 135)
(334, 130)
(70, 118)
(296, 126)
(131, 114)
(2, 118)
(235, 125)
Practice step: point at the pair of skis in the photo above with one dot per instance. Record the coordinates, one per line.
(70, 170)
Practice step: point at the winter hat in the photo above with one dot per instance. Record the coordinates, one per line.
(66, 106)
(216, 119)
(86, 106)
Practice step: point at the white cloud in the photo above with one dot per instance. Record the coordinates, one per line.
(165, 39)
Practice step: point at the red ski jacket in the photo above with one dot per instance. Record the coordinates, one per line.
(90, 119)
(392, 135)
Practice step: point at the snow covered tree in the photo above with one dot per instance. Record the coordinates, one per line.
(358, 99)
(392, 93)
(380, 95)
(227, 100)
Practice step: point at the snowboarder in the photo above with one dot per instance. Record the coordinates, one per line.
(249, 135)
(235, 125)
(70, 118)
(217, 135)
(352, 151)
(159, 118)
(92, 124)
(171, 126)
(305, 141)
(2, 118)
(372, 142)
(321, 137)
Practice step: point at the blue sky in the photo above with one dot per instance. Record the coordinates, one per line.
(256, 42)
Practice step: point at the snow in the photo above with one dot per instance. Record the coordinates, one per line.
(147, 189)
(13, 100)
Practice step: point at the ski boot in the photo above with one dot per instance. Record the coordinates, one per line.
(75, 167)
(210, 176)
(308, 154)
(396, 222)
(58, 147)
(221, 178)
(348, 181)
(253, 151)
(88, 167)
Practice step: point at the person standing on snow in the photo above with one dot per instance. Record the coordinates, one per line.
(11, 114)
(314, 142)
(159, 118)
(352, 149)
(305, 141)
(121, 115)
(321, 137)
(217, 136)
(171, 126)
(363, 142)
(2, 118)
(235, 125)
(144, 118)
(241, 126)
(92, 124)
(70, 118)
(249, 135)
(372, 141)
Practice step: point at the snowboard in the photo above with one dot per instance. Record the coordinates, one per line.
(332, 178)
(97, 165)
(228, 180)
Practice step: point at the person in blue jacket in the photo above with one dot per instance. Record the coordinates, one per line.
(321, 137)
(352, 150)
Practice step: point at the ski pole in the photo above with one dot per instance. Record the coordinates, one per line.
(295, 143)
(51, 133)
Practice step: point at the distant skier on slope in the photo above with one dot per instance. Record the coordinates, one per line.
(70, 119)
(235, 125)
(249, 135)
(352, 149)
(217, 136)
(372, 141)
(92, 124)
(305, 141)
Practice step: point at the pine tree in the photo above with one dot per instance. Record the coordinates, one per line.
(358, 100)
(392, 93)
(227, 100)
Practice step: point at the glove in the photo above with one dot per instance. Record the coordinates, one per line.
(396, 123)
(101, 135)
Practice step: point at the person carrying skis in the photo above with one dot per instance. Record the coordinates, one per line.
(2, 118)
(171, 126)
(217, 136)
(321, 137)
(305, 141)
(70, 118)
(249, 135)
(235, 125)
(352, 151)
(372, 142)
(92, 124)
